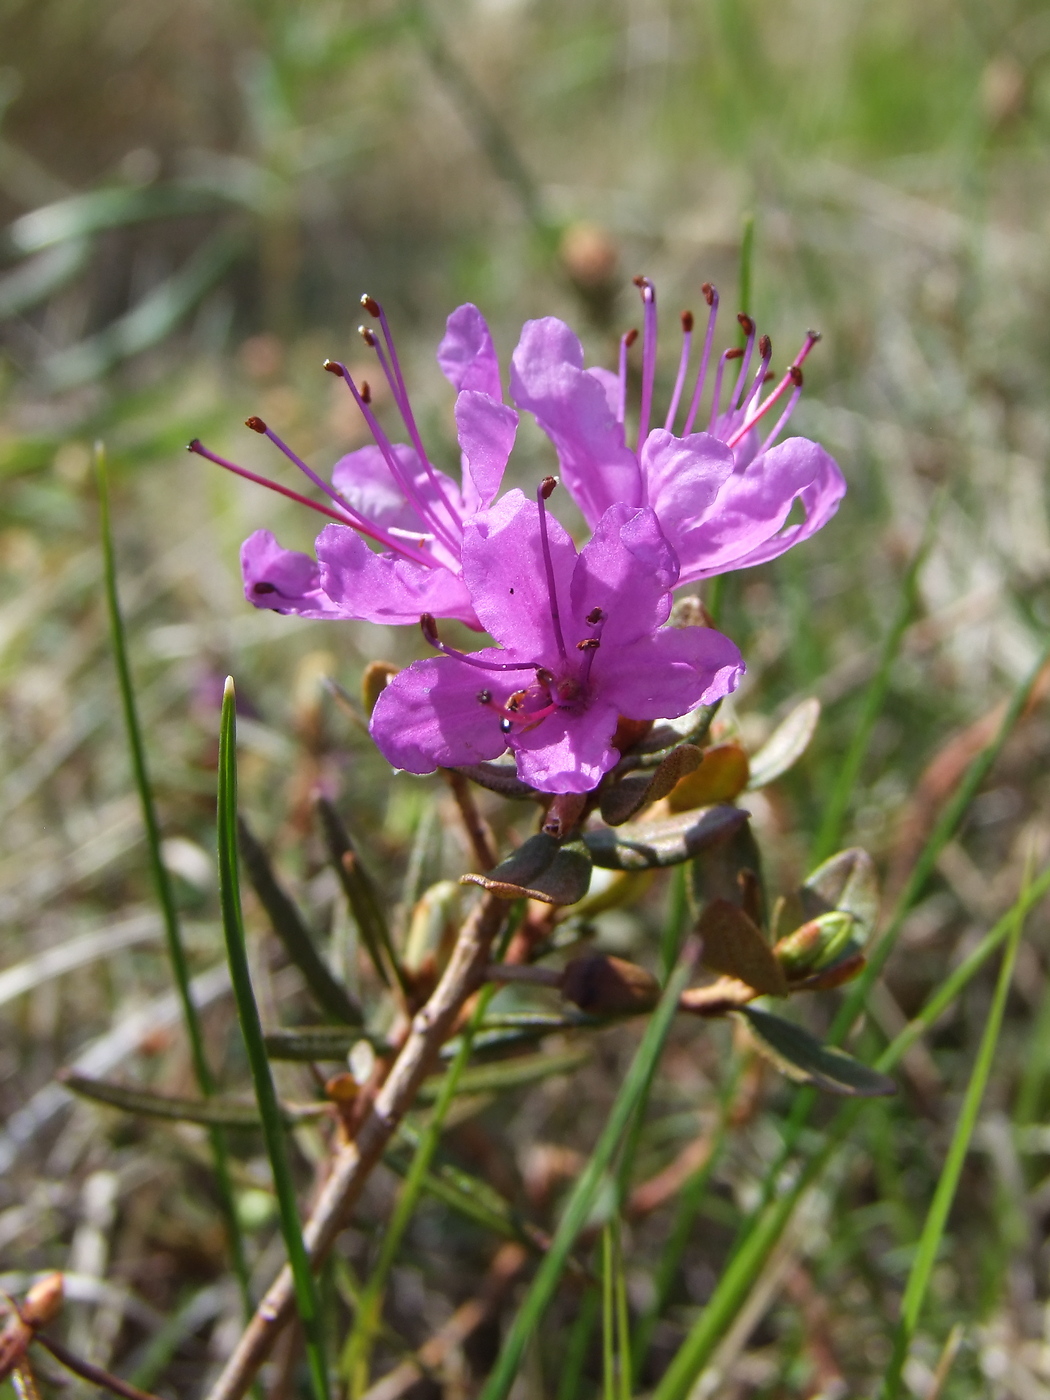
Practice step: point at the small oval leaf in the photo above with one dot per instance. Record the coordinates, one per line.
(802, 1057)
(847, 881)
(649, 845)
(720, 778)
(786, 745)
(733, 944)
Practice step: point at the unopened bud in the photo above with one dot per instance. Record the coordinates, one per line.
(607, 986)
(817, 945)
(43, 1301)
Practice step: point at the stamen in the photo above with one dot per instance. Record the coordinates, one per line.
(408, 489)
(648, 292)
(428, 627)
(683, 364)
(711, 297)
(747, 325)
(197, 447)
(589, 645)
(716, 398)
(792, 377)
(546, 486)
(626, 341)
(765, 346)
(404, 404)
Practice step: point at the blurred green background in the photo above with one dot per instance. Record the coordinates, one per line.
(193, 199)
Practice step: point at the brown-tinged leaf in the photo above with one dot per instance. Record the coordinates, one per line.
(622, 800)
(213, 1112)
(540, 869)
(721, 777)
(717, 998)
(733, 944)
(376, 678)
(847, 881)
(803, 1058)
(607, 986)
(730, 868)
(786, 745)
(649, 845)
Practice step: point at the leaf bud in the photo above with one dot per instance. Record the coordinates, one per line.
(818, 944)
(43, 1301)
(607, 986)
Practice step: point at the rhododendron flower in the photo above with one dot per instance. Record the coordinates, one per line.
(581, 642)
(723, 494)
(390, 493)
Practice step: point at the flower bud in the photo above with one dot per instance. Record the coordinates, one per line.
(43, 1301)
(605, 986)
(818, 944)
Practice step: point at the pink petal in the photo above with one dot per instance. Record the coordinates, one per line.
(627, 569)
(386, 587)
(744, 526)
(572, 407)
(504, 571)
(282, 579)
(466, 354)
(568, 753)
(668, 673)
(487, 429)
(429, 716)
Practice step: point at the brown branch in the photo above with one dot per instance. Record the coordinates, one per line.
(89, 1372)
(353, 1162)
(476, 825)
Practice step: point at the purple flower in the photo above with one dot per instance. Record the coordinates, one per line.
(391, 494)
(581, 642)
(722, 495)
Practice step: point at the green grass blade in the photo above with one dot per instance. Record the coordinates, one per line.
(747, 263)
(608, 1318)
(948, 1182)
(624, 1369)
(354, 1362)
(767, 1223)
(579, 1344)
(161, 879)
(251, 1029)
(583, 1196)
(830, 833)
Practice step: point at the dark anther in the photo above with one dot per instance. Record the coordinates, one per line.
(547, 486)
(768, 376)
(796, 375)
(815, 335)
(264, 587)
(687, 321)
(368, 335)
(631, 337)
(506, 726)
(735, 354)
(709, 293)
(765, 347)
(371, 306)
(333, 367)
(594, 617)
(428, 627)
(639, 281)
(516, 701)
(484, 697)
(194, 446)
(544, 676)
(589, 644)
(256, 424)
(746, 323)
(365, 391)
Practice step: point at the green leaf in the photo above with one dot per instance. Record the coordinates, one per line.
(211, 1112)
(802, 1057)
(288, 925)
(786, 745)
(648, 845)
(847, 882)
(83, 214)
(622, 800)
(361, 894)
(251, 1029)
(541, 868)
(498, 777)
(507, 1074)
(34, 280)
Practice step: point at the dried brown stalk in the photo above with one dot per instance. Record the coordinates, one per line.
(353, 1162)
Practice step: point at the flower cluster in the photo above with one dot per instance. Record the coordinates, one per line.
(581, 636)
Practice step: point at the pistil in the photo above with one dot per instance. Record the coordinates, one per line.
(648, 292)
(546, 486)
